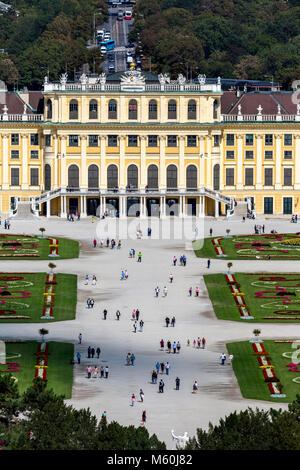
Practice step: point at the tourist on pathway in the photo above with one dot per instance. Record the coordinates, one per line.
(126, 274)
(156, 291)
(118, 314)
(92, 303)
(174, 347)
(174, 261)
(194, 343)
(137, 314)
(98, 351)
(93, 352)
(95, 242)
(94, 281)
(86, 279)
(132, 400)
(133, 314)
(107, 242)
(171, 278)
(141, 395)
(208, 263)
(162, 344)
(190, 291)
(167, 366)
(119, 245)
(135, 326)
(80, 338)
(101, 372)
(89, 371)
(210, 232)
(195, 387)
(230, 358)
(95, 374)
(178, 346)
(169, 347)
(165, 291)
(162, 367)
(106, 371)
(122, 276)
(144, 417)
(128, 360)
(167, 320)
(139, 257)
(89, 352)
(141, 326)
(78, 357)
(177, 382)
(104, 314)
(161, 386)
(223, 358)
(157, 367)
(198, 342)
(154, 377)
(132, 359)
(173, 321)
(149, 232)
(203, 343)
(197, 291)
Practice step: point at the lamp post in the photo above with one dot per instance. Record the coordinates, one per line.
(96, 13)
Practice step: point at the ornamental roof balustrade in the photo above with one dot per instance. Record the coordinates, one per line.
(260, 117)
(21, 117)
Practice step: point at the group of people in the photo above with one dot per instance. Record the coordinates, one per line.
(157, 291)
(90, 303)
(175, 346)
(182, 260)
(133, 400)
(199, 342)
(172, 321)
(258, 229)
(87, 279)
(92, 351)
(96, 372)
(294, 219)
(124, 275)
(6, 224)
(197, 291)
(223, 358)
(130, 358)
(71, 216)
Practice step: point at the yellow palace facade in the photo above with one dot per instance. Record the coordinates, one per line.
(140, 145)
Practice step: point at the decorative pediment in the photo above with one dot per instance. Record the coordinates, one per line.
(133, 80)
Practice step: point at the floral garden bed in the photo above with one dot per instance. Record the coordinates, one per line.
(264, 371)
(259, 297)
(37, 297)
(258, 247)
(26, 360)
(32, 247)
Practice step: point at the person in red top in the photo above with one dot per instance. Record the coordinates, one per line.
(95, 243)
(162, 344)
(203, 343)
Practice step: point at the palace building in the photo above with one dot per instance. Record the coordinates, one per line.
(135, 144)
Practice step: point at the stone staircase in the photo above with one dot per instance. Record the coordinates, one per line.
(23, 211)
(241, 209)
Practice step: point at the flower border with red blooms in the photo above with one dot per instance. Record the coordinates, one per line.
(42, 355)
(238, 297)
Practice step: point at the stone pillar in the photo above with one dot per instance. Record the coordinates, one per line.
(103, 178)
(297, 162)
(259, 143)
(84, 173)
(63, 206)
(278, 181)
(181, 185)
(183, 206)
(54, 176)
(162, 208)
(83, 207)
(239, 162)
(48, 208)
(201, 177)
(143, 171)
(5, 176)
(24, 138)
(180, 206)
(162, 163)
(208, 164)
(122, 175)
(63, 169)
(216, 208)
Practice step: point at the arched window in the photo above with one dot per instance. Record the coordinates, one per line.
(172, 177)
(215, 110)
(93, 177)
(172, 109)
(112, 177)
(49, 109)
(192, 108)
(47, 177)
(191, 177)
(217, 177)
(152, 181)
(73, 109)
(132, 176)
(132, 109)
(73, 177)
(152, 109)
(112, 109)
(93, 109)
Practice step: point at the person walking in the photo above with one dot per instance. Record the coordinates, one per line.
(173, 321)
(133, 314)
(93, 352)
(197, 291)
(94, 281)
(177, 383)
(137, 314)
(171, 278)
(128, 360)
(132, 359)
(174, 347)
(101, 372)
(86, 279)
(139, 257)
(154, 376)
(122, 276)
(141, 395)
(80, 338)
(156, 291)
(198, 342)
(169, 347)
(141, 326)
(89, 371)
(167, 367)
(78, 355)
(162, 367)
(190, 291)
(230, 358)
(208, 263)
(104, 314)
(174, 260)
(89, 352)
(223, 359)
(95, 373)
(162, 344)
(165, 291)
(118, 314)
(106, 370)
(195, 387)
(134, 326)
(210, 232)
(132, 399)
(144, 417)
(203, 343)
(157, 367)
(161, 386)
(178, 347)
(98, 351)
(167, 320)
(95, 243)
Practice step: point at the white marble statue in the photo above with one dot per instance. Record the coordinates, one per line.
(181, 441)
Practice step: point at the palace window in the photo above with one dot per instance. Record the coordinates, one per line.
(93, 109)
(229, 176)
(112, 109)
(132, 141)
(34, 176)
(288, 139)
(152, 140)
(192, 109)
(248, 176)
(287, 176)
(249, 155)
(14, 139)
(14, 177)
(49, 109)
(172, 177)
(152, 181)
(230, 140)
(268, 176)
(14, 154)
(249, 139)
(132, 109)
(34, 154)
(152, 109)
(73, 109)
(112, 141)
(288, 154)
(73, 141)
(172, 141)
(268, 154)
(191, 177)
(269, 139)
(192, 141)
(47, 177)
(172, 109)
(93, 141)
(93, 177)
(34, 139)
(48, 140)
(229, 154)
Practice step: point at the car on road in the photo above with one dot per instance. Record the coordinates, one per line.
(111, 68)
(129, 59)
(110, 57)
(120, 15)
(103, 49)
(107, 36)
(114, 5)
(128, 15)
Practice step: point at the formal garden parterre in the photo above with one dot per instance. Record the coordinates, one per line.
(257, 247)
(255, 297)
(22, 247)
(27, 360)
(268, 370)
(37, 297)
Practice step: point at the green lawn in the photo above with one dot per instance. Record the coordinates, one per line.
(59, 371)
(250, 377)
(240, 247)
(22, 247)
(226, 308)
(30, 289)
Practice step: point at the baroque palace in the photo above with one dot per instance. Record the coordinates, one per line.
(138, 144)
